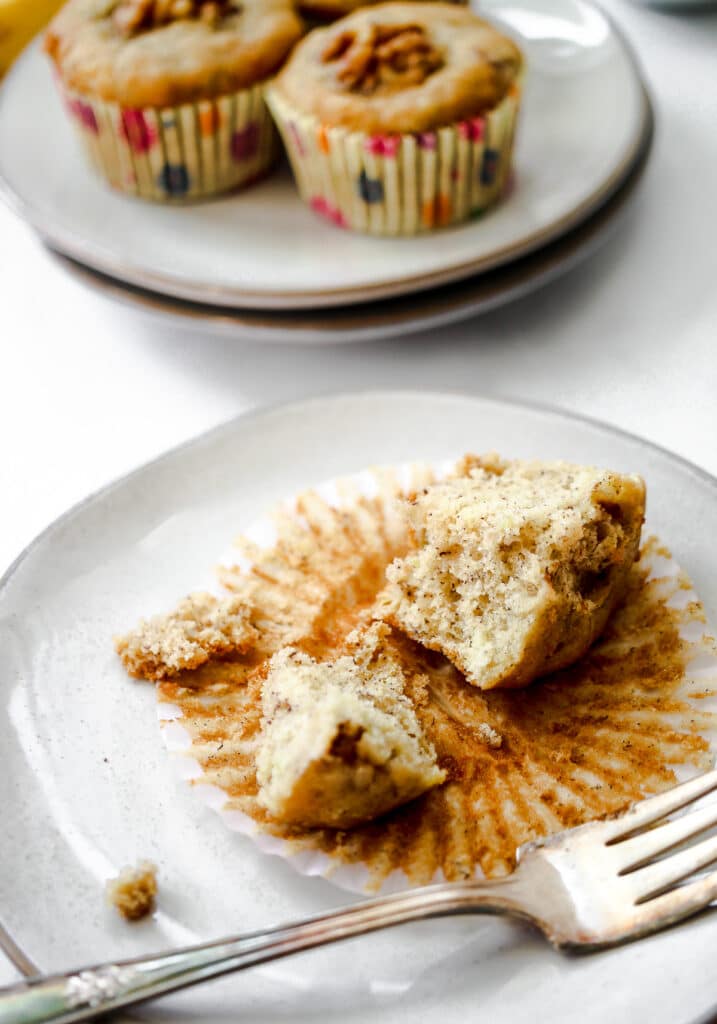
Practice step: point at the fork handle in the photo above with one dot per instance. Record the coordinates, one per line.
(87, 992)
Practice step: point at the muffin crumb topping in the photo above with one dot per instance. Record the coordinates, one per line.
(133, 16)
(134, 891)
(382, 58)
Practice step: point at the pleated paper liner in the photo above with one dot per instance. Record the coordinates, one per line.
(179, 153)
(400, 184)
(630, 718)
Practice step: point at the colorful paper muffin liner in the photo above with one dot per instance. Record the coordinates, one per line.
(400, 184)
(583, 744)
(177, 153)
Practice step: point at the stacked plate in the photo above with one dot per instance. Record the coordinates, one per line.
(86, 786)
(260, 264)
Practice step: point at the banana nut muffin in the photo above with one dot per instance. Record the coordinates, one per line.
(400, 116)
(341, 742)
(517, 567)
(180, 78)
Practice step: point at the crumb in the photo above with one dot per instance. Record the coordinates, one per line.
(201, 627)
(133, 892)
(489, 735)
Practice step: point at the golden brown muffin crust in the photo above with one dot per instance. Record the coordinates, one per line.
(400, 67)
(168, 63)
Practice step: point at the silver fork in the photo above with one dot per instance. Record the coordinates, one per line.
(597, 885)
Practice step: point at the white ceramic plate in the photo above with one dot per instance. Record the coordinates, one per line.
(387, 318)
(85, 784)
(582, 124)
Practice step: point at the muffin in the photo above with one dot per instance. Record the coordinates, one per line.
(400, 117)
(167, 95)
(340, 742)
(200, 628)
(517, 566)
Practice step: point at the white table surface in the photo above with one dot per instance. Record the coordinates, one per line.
(90, 389)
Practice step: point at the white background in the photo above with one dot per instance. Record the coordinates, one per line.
(90, 389)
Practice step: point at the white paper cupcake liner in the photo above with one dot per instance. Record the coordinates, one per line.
(400, 184)
(181, 153)
(668, 583)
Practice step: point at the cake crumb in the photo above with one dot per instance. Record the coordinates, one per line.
(200, 627)
(489, 735)
(134, 891)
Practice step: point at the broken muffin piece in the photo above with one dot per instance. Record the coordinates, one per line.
(341, 743)
(134, 891)
(517, 565)
(200, 627)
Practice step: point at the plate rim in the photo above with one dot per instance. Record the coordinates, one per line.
(17, 956)
(281, 326)
(99, 258)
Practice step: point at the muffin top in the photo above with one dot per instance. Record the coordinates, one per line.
(160, 53)
(400, 67)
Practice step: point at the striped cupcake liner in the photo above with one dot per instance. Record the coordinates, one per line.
(399, 184)
(175, 154)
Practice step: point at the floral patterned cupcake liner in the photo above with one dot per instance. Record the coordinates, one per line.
(177, 153)
(400, 184)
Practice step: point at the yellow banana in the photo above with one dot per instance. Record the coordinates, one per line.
(20, 20)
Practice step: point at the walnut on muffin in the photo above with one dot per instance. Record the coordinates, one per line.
(325, 11)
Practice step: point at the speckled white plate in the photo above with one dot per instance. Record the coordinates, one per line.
(582, 126)
(85, 784)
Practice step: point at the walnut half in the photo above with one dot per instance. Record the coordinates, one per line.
(382, 58)
(133, 16)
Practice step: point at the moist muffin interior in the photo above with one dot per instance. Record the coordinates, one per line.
(517, 565)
